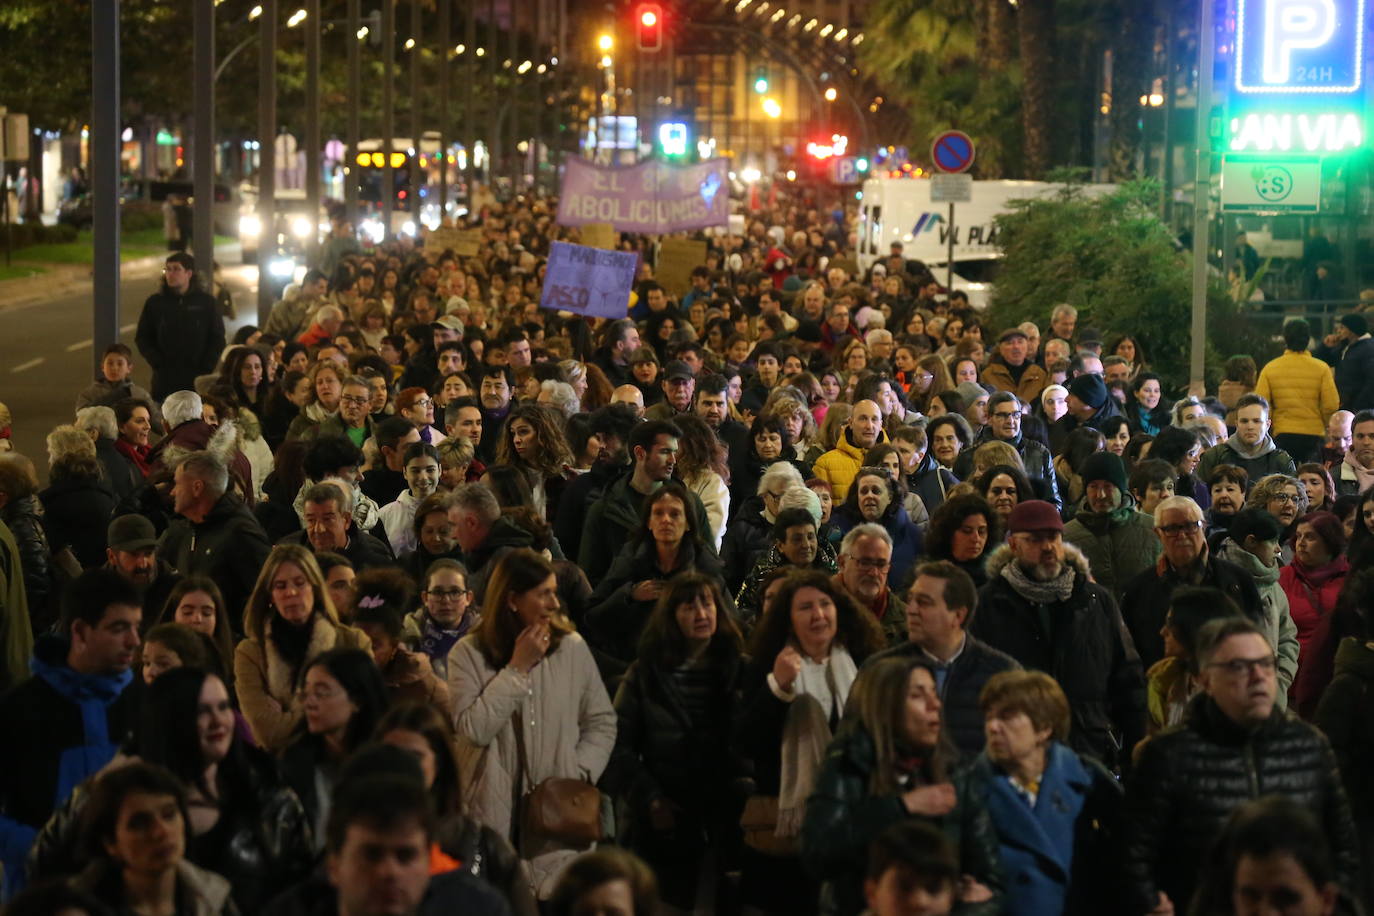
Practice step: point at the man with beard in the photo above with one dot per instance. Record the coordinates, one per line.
(612, 426)
(132, 553)
(1117, 539)
(1041, 607)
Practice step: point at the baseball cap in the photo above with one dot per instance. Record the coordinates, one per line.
(677, 369)
(1034, 515)
(1009, 333)
(452, 322)
(131, 532)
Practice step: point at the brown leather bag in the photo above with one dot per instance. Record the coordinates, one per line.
(567, 810)
(760, 825)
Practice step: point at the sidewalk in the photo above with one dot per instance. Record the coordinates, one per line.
(62, 279)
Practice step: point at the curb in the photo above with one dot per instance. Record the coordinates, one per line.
(63, 279)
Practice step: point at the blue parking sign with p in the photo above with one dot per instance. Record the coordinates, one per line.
(1300, 46)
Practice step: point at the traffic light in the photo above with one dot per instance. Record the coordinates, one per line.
(649, 26)
(761, 81)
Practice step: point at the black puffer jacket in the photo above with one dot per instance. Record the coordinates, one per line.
(1346, 716)
(1146, 599)
(843, 817)
(76, 512)
(25, 520)
(1087, 650)
(1037, 459)
(1191, 778)
(748, 535)
(976, 663)
(229, 546)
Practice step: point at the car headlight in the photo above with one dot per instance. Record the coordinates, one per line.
(250, 226)
(281, 267)
(373, 229)
(300, 227)
(408, 228)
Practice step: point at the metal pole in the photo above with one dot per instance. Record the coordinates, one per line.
(351, 167)
(267, 153)
(445, 56)
(949, 253)
(105, 140)
(493, 50)
(203, 142)
(419, 179)
(388, 113)
(558, 82)
(1202, 197)
(312, 130)
(515, 160)
(469, 96)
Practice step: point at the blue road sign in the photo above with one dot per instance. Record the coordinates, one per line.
(952, 151)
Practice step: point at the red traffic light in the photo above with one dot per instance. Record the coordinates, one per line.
(649, 26)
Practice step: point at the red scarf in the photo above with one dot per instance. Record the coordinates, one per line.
(138, 454)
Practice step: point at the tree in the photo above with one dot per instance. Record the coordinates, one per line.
(1035, 26)
(1110, 256)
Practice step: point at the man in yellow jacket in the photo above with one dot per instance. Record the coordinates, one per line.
(1302, 390)
(839, 466)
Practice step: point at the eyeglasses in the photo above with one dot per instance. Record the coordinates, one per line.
(1004, 415)
(1241, 667)
(352, 399)
(423, 402)
(871, 563)
(446, 594)
(1179, 530)
(1285, 498)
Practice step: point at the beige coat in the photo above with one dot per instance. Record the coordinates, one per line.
(267, 686)
(568, 730)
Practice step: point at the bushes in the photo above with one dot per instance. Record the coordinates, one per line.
(22, 235)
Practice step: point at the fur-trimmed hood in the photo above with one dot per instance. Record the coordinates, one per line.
(1001, 556)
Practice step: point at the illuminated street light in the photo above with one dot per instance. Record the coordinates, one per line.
(772, 108)
(410, 43)
(831, 94)
(606, 61)
(255, 12)
(605, 43)
(296, 19)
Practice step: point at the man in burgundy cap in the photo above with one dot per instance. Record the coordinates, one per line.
(1041, 608)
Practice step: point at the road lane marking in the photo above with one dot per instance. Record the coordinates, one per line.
(28, 365)
(127, 328)
(79, 345)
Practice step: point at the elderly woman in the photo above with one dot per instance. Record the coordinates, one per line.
(1313, 583)
(664, 545)
(769, 443)
(948, 435)
(120, 473)
(22, 513)
(525, 668)
(876, 497)
(806, 653)
(964, 531)
(673, 763)
(796, 545)
(889, 762)
(749, 531)
(1057, 813)
(290, 620)
(77, 506)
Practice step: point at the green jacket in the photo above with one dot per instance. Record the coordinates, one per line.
(1119, 546)
(843, 818)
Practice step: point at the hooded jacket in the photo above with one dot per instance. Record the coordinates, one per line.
(71, 725)
(614, 519)
(1190, 779)
(1279, 628)
(1264, 459)
(1086, 649)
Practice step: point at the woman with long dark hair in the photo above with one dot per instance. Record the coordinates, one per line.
(891, 761)
(664, 544)
(964, 530)
(532, 440)
(530, 706)
(806, 652)
(343, 698)
(197, 602)
(673, 764)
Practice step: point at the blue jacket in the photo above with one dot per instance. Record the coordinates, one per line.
(907, 541)
(70, 725)
(1059, 856)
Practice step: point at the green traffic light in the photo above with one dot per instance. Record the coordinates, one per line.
(861, 164)
(761, 85)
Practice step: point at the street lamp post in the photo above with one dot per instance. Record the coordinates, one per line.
(267, 152)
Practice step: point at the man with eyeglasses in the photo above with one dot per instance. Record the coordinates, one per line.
(1234, 746)
(865, 559)
(354, 419)
(180, 331)
(1004, 425)
(1184, 560)
(1012, 369)
(1041, 607)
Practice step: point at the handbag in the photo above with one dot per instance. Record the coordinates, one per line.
(559, 808)
(760, 825)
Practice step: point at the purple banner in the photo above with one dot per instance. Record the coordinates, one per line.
(589, 281)
(652, 197)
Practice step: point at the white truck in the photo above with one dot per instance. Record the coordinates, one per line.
(900, 210)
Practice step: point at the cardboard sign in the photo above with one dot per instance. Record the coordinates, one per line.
(462, 242)
(589, 281)
(677, 258)
(600, 235)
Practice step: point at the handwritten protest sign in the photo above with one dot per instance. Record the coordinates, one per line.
(599, 235)
(462, 242)
(652, 196)
(676, 258)
(589, 281)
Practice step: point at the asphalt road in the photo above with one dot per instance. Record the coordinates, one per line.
(46, 352)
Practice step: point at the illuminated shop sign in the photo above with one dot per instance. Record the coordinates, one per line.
(1299, 46)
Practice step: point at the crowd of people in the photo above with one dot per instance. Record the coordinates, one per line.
(797, 590)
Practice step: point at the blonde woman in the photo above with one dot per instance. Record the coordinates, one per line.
(289, 620)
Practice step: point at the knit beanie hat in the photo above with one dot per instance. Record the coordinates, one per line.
(1104, 466)
(1090, 389)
